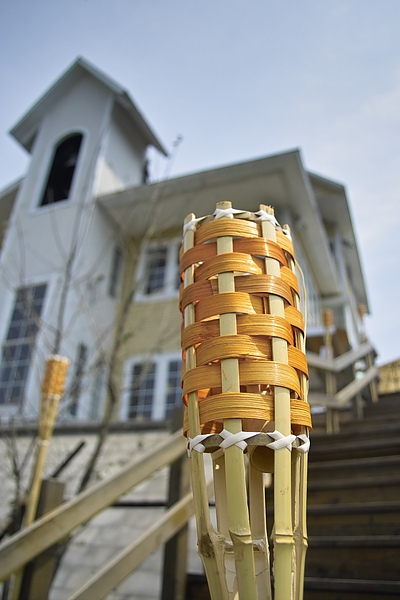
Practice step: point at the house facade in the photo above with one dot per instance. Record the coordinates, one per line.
(89, 264)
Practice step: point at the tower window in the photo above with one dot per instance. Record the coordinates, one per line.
(62, 171)
(158, 272)
(152, 387)
(19, 344)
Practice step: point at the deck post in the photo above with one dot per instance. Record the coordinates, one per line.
(175, 550)
(39, 573)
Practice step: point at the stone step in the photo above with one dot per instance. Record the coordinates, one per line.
(350, 519)
(316, 588)
(326, 490)
(356, 557)
(369, 518)
(374, 489)
(357, 430)
(362, 448)
(354, 468)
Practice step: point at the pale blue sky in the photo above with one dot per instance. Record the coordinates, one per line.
(240, 79)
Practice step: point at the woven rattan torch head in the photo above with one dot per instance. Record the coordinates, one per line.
(52, 389)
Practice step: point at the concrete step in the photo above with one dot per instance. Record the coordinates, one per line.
(350, 519)
(362, 448)
(354, 557)
(368, 518)
(374, 489)
(354, 468)
(357, 430)
(316, 588)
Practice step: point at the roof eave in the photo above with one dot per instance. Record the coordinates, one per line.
(179, 194)
(25, 130)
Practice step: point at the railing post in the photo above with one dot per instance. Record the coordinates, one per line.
(332, 415)
(175, 550)
(369, 358)
(39, 573)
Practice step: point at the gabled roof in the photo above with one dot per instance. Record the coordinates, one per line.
(334, 208)
(279, 180)
(25, 130)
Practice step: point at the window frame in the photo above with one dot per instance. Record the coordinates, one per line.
(170, 288)
(48, 171)
(116, 273)
(160, 389)
(18, 342)
(77, 384)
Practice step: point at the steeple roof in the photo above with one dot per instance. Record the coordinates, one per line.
(26, 128)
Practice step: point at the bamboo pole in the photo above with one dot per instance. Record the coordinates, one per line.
(130, 558)
(299, 473)
(246, 529)
(52, 389)
(238, 516)
(283, 529)
(43, 533)
(258, 523)
(210, 546)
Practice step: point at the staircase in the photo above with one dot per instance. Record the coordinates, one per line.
(353, 515)
(354, 508)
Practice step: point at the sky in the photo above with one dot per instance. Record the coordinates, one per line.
(238, 80)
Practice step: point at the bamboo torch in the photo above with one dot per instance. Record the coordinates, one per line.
(52, 390)
(244, 385)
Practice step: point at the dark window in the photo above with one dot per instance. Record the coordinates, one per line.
(160, 270)
(59, 183)
(97, 389)
(18, 346)
(142, 391)
(116, 272)
(174, 390)
(156, 269)
(77, 382)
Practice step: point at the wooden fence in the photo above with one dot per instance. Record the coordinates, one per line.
(24, 546)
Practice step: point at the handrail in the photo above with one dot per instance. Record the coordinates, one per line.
(340, 362)
(129, 559)
(355, 386)
(341, 398)
(22, 547)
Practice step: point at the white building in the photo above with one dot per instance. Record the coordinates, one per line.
(86, 138)
(82, 212)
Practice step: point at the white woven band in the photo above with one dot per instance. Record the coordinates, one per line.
(191, 225)
(287, 233)
(219, 213)
(239, 440)
(262, 215)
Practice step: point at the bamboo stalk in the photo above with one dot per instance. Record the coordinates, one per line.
(36, 483)
(299, 476)
(238, 517)
(259, 532)
(52, 388)
(283, 530)
(258, 518)
(210, 548)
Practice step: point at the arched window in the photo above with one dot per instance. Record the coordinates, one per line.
(62, 170)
